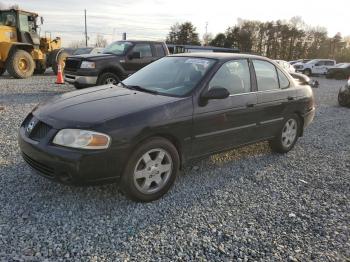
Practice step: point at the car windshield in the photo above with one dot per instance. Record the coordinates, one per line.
(117, 48)
(174, 76)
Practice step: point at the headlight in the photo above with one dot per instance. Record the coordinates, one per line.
(87, 64)
(84, 139)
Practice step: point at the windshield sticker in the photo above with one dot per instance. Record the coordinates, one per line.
(196, 61)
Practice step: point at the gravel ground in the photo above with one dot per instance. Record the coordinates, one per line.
(244, 205)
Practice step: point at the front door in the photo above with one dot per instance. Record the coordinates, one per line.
(134, 64)
(229, 122)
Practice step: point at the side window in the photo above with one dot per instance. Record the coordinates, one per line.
(144, 49)
(266, 75)
(159, 50)
(329, 63)
(284, 82)
(234, 76)
(23, 23)
(320, 63)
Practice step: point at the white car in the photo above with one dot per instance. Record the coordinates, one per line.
(287, 66)
(315, 66)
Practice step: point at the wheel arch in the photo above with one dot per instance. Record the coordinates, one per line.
(113, 69)
(301, 118)
(170, 137)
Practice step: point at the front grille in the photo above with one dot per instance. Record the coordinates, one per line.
(40, 131)
(44, 169)
(72, 64)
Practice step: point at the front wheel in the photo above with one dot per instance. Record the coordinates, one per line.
(108, 78)
(2, 71)
(151, 170)
(21, 64)
(287, 136)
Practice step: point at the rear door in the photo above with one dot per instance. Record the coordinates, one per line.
(225, 123)
(274, 96)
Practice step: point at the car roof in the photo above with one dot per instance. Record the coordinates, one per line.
(140, 41)
(220, 56)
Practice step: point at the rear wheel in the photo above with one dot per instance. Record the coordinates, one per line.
(20, 64)
(287, 136)
(151, 170)
(108, 78)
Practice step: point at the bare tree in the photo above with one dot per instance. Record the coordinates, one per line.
(100, 41)
(77, 44)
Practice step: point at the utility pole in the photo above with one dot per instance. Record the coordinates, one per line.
(86, 36)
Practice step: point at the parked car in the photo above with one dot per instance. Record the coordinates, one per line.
(287, 66)
(115, 63)
(344, 95)
(178, 108)
(88, 50)
(299, 61)
(315, 66)
(341, 71)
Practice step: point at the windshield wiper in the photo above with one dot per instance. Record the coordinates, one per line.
(142, 89)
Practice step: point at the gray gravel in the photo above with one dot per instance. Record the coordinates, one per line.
(245, 205)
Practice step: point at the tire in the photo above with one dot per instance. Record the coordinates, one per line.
(108, 78)
(39, 69)
(141, 178)
(78, 86)
(286, 138)
(342, 100)
(20, 64)
(307, 72)
(2, 71)
(59, 59)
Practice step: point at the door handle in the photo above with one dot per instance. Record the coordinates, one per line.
(290, 98)
(250, 104)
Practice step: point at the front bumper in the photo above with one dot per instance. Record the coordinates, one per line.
(67, 165)
(81, 80)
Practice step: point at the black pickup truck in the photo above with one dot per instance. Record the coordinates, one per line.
(115, 63)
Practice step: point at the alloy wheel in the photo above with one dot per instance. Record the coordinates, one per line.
(111, 80)
(152, 171)
(289, 132)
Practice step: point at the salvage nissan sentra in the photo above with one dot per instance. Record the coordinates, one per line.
(141, 131)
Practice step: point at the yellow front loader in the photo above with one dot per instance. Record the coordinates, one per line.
(22, 51)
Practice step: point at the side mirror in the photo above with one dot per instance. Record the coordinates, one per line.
(135, 55)
(41, 20)
(216, 92)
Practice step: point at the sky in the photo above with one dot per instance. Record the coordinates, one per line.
(152, 19)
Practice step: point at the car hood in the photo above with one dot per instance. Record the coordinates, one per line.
(94, 56)
(95, 105)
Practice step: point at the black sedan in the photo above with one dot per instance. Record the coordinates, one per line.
(142, 131)
(342, 71)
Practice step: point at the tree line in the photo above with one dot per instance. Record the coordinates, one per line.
(286, 40)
